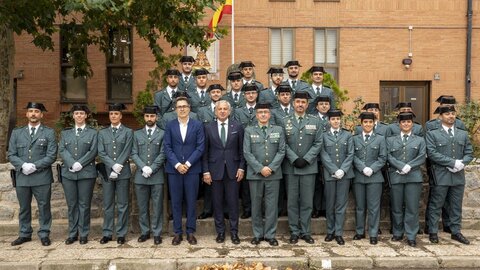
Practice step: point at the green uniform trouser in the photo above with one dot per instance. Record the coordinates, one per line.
(270, 188)
(405, 220)
(336, 198)
(367, 197)
(300, 189)
(78, 194)
(453, 195)
(111, 188)
(42, 195)
(144, 193)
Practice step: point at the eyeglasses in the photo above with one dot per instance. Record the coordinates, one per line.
(181, 107)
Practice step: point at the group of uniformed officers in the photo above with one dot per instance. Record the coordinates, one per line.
(263, 145)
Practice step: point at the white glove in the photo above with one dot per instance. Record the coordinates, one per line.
(406, 169)
(71, 170)
(339, 174)
(147, 171)
(117, 168)
(28, 168)
(77, 166)
(400, 172)
(368, 171)
(113, 175)
(459, 165)
(454, 170)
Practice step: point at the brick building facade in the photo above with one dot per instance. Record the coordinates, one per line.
(362, 42)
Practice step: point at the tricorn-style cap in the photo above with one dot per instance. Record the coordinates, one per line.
(200, 71)
(317, 69)
(403, 105)
(181, 94)
(446, 100)
(445, 109)
(80, 107)
(151, 109)
(262, 106)
(371, 106)
(292, 63)
(302, 94)
(172, 71)
(187, 58)
(282, 88)
(250, 87)
(215, 86)
(116, 107)
(246, 64)
(367, 115)
(334, 113)
(277, 70)
(235, 75)
(405, 116)
(36, 105)
(321, 98)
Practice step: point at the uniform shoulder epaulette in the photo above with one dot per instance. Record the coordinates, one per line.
(416, 122)
(68, 128)
(139, 128)
(344, 129)
(265, 89)
(19, 127)
(105, 127)
(302, 81)
(382, 123)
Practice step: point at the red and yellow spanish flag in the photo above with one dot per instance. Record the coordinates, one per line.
(217, 16)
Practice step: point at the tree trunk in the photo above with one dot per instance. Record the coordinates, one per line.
(7, 52)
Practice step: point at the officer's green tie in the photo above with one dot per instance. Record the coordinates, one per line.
(336, 134)
(300, 120)
(149, 133)
(32, 133)
(294, 82)
(318, 91)
(264, 130)
(405, 138)
(202, 95)
(367, 136)
(223, 135)
(450, 133)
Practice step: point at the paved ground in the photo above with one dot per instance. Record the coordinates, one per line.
(321, 255)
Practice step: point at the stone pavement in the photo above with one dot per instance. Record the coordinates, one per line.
(321, 255)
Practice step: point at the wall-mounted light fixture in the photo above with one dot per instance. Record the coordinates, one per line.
(407, 62)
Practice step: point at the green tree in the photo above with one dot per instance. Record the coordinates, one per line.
(176, 21)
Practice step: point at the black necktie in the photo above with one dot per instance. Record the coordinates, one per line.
(250, 110)
(149, 133)
(186, 78)
(202, 95)
(286, 110)
(264, 130)
(450, 133)
(114, 130)
(223, 135)
(173, 93)
(336, 134)
(32, 133)
(294, 82)
(405, 138)
(367, 136)
(79, 130)
(318, 91)
(300, 120)
(235, 98)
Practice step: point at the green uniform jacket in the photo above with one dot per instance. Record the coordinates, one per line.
(337, 154)
(269, 96)
(413, 153)
(443, 151)
(116, 148)
(149, 152)
(196, 101)
(41, 151)
(230, 98)
(394, 129)
(303, 140)
(379, 129)
(260, 151)
(278, 114)
(163, 101)
(83, 149)
(436, 123)
(371, 154)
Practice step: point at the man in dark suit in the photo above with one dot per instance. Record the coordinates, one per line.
(184, 143)
(32, 150)
(224, 167)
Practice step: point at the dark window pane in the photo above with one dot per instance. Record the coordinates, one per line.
(119, 47)
(120, 83)
(73, 88)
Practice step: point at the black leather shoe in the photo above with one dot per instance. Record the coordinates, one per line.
(315, 214)
(105, 239)
(373, 240)
(329, 238)
(340, 240)
(220, 238)
(143, 238)
(293, 239)
(177, 239)
(21, 240)
(83, 240)
(191, 239)
(45, 241)
(433, 237)
(255, 241)
(397, 238)
(420, 231)
(272, 241)
(246, 215)
(460, 238)
(121, 240)
(235, 239)
(308, 239)
(70, 240)
(359, 236)
(447, 229)
(323, 213)
(412, 243)
(157, 240)
(204, 215)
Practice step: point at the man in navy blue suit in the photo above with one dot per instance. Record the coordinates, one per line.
(184, 143)
(224, 167)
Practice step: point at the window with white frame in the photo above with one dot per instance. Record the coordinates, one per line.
(281, 46)
(326, 50)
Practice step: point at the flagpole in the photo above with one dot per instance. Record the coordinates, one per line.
(233, 31)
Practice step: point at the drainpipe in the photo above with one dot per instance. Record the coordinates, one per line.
(469, 52)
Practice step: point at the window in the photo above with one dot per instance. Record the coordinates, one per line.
(72, 89)
(326, 52)
(119, 66)
(281, 46)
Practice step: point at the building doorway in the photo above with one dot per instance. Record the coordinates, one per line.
(416, 92)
